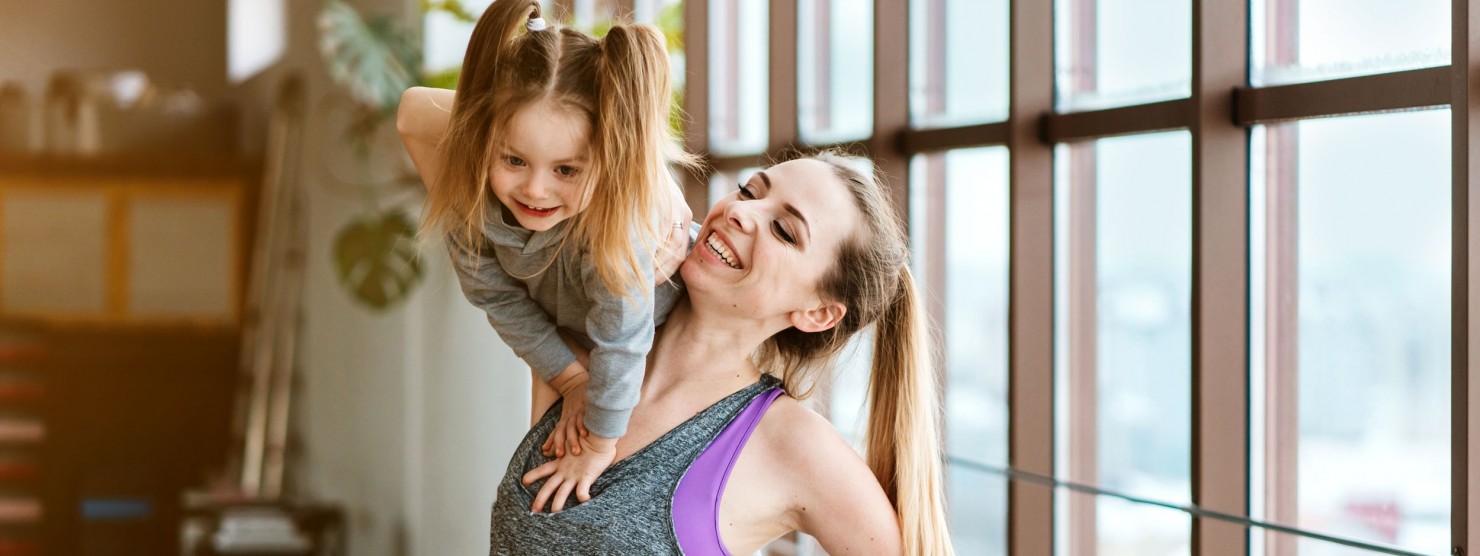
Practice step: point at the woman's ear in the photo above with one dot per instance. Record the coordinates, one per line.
(819, 318)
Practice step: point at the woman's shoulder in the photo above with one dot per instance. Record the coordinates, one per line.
(790, 425)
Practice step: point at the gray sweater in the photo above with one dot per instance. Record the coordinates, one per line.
(529, 284)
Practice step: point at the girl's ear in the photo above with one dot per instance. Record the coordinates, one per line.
(819, 318)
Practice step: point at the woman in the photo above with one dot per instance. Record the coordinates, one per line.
(802, 257)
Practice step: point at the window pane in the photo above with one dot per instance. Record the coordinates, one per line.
(967, 189)
(1122, 52)
(978, 511)
(1366, 433)
(1124, 283)
(1131, 529)
(835, 70)
(975, 303)
(738, 101)
(1309, 40)
(1144, 287)
(958, 61)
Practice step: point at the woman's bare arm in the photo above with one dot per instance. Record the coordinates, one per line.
(837, 500)
(421, 120)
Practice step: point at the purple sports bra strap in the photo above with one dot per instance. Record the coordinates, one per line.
(696, 500)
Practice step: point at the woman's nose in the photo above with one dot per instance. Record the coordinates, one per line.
(741, 216)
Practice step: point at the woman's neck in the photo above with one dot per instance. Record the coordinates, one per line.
(692, 350)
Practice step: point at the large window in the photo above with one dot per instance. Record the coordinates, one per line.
(1200, 270)
(737, 76)
(835, 70)
(1353, 302)
(1309, 40)
(960, 230)
(1120, 52)
(1127, 364)
(958, 62)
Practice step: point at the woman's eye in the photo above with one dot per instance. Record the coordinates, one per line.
(781, 231)
(567, 171)
(514, 160)
(745, 192)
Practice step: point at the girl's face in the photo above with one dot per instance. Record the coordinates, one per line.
(764, 249)
(540, 173)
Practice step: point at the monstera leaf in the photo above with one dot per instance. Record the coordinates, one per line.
(372, 58)
(376, 259)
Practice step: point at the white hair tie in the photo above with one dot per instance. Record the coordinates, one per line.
(535, 24)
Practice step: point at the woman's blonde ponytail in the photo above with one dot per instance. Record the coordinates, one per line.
(903, 443)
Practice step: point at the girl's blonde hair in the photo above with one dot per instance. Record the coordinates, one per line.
(619, 83)
(871, 277)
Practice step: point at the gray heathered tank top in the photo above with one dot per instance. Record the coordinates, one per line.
(630, 511)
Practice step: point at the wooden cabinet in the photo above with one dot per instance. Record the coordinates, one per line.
(138, 241)
(128, 273)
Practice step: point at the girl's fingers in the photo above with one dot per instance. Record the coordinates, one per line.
(538, 473)
(544, 494)
(583, 490)
(561, 496)
(573, 440)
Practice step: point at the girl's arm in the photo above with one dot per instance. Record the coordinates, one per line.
(421, 120)
(544, 395)
(621, 332)
(519, 320)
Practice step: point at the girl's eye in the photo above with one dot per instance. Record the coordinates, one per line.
(745, 192)
(567, 171)
(781, 231)
(514, 160)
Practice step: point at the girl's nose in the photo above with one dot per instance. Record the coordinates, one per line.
(536, 186)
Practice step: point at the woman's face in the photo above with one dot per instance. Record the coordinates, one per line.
(539, 173)
(763, 250)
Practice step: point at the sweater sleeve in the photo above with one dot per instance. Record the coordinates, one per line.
(518, 319)
(621, 331)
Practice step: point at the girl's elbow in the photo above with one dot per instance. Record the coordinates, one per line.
(406, 111)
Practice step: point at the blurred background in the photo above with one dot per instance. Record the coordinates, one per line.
(209, 294)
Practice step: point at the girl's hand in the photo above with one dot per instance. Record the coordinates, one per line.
(572, 472)
(564, 438)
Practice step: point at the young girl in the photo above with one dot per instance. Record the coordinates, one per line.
(551, 187)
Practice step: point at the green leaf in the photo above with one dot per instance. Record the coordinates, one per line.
(670, 20)
(455, 8)
(375, 259)
(374, 59)
(445, 79)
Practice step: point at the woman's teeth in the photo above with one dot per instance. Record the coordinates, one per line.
(721, 251)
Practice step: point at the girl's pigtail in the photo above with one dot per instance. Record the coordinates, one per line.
(630, 144)
(903, 447)
(457, 198)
